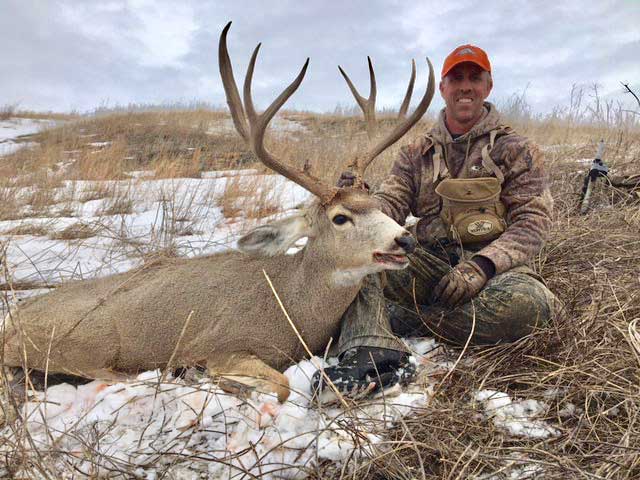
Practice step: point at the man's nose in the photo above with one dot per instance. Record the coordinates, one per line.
(465, 85)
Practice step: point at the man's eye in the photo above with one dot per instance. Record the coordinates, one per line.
(340, 219)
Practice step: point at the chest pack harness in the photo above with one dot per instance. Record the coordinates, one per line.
(471, 210)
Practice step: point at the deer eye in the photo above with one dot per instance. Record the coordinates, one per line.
(340, 219)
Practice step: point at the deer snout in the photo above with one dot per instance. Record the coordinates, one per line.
(406, 242)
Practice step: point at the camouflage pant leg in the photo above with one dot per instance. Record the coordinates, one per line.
(366, 321)
(510, 306)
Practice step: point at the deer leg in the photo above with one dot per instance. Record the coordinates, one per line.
(239, 372)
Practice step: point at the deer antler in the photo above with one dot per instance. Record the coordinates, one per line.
(368, 105)
(407, 96)
(251, 126)
(361, 163)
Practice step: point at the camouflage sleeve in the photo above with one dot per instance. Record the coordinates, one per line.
(398, 193)
(526, 197)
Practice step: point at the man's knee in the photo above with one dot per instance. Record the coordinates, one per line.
(511, 306)
(519, 304)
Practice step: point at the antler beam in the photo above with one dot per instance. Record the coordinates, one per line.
(251, 126)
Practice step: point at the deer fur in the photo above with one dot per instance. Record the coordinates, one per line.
(133, 321)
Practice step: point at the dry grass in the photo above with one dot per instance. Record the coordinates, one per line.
(33, 229)
(120, 205)
(588, 358)
(10, 207)
(96, 191)
(249, 197)
(76, 231)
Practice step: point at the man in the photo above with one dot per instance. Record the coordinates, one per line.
(480, 193)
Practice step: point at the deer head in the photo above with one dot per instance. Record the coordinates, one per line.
(345, 226)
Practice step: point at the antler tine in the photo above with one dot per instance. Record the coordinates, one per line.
(373, 91)
(400, 129)
(367, 105)
(230, 89)
(407, 97)
(265, 117)
(257, 123)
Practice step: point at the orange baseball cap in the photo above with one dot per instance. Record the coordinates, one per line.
(466, 53)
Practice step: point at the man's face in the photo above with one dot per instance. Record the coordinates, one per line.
(464, 89)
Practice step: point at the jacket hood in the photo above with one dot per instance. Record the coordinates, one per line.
(490, 121)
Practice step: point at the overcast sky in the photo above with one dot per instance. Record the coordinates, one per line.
(78, 54)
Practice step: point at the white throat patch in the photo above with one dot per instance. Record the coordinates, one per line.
(353, 276)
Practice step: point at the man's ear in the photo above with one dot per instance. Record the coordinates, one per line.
(441, 87)
(275, 238)
(490, 80)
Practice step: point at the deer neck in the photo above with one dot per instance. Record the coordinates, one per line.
(334, 288)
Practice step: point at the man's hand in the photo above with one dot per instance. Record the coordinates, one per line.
(363, 370)
(461, 284)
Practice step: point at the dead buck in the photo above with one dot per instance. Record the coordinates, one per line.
(218, 311)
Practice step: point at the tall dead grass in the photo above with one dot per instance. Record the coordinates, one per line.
(249, 197)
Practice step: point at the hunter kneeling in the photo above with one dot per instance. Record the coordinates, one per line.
(481, 196)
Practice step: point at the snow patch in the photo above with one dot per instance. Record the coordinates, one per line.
(519, 417)
(172, 424)
(13, 128)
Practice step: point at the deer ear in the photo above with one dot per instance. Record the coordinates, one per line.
(275, 238)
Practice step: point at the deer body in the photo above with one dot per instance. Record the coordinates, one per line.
(215, 310)
(133, 321)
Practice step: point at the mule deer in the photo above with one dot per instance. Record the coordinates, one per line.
(218, 311)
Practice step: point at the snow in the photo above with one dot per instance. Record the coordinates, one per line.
(13, 128)
(522, 469)
(183, 211)
(158, 425)
(99, 144)
(517, 417)
(278, 126)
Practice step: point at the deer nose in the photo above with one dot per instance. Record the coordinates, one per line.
(406, 242)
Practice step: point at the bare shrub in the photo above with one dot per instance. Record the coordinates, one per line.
(7, 111)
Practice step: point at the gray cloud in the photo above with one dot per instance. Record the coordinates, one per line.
(70, 54)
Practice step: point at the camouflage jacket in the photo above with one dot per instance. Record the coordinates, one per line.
(410, 188)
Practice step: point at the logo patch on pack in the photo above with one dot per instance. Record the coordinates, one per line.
(480, 227)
